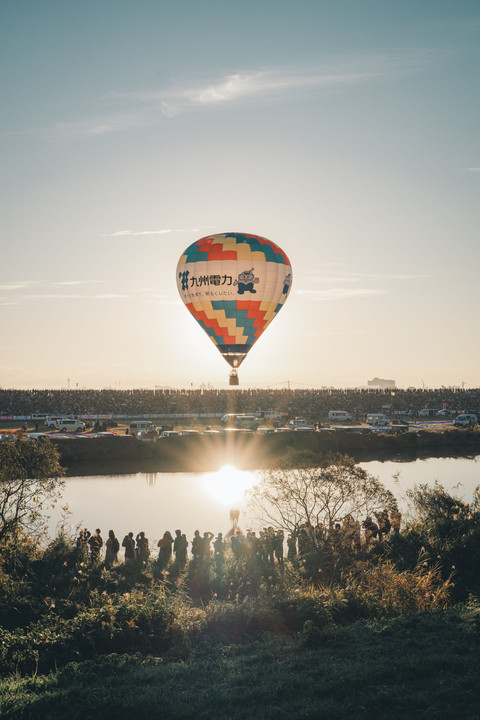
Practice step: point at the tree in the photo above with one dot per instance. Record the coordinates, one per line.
(446, 532)
(289, 499)
(30, 476)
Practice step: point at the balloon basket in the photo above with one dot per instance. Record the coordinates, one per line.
(233, 378)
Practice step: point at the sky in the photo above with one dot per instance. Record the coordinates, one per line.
(346, 132)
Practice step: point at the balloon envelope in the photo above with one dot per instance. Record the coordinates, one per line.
(234, 285)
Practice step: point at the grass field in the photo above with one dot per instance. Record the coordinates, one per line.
(415, 666)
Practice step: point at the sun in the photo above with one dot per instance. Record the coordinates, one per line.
(228, 485)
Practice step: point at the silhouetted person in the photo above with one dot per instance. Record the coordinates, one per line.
(165, 552)
(180, 545)
(236, 543)
(384, 525)
(219, 547)
(95, 542)
(142, 549)
(396, 519)
(371, 530)
(291, 547)
(112, 546)
(129, 545)
(207, 539)
(197, 546)
(278, 548)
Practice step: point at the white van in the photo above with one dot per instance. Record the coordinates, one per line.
(251, 422)
(139, 428)
(69, 425)
(339, 415)
(465, 420)
(51, 420)
(39, 417)
(272, 415)
(377, 419)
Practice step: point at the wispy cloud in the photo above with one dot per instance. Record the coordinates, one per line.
(72, 296)
(18, 284)
(95, 126)
(346, 333)
(472, 169)
(68, 283)
(85, 290)
(347, 276)
(340, 293)
(165, 231)
(138, 109)
(341, 284)
(249, 85)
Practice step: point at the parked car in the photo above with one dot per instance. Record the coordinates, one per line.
(394, 426)
(339, 415)
(301, 423)
(140, 428)
(7, 437)
(70, 425)
(249, 422)
(377, 419)
(465, 420)
(51, 420)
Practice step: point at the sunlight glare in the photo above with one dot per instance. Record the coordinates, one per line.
(229, 485)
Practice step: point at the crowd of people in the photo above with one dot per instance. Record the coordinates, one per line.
(268, 546)
(314, 403)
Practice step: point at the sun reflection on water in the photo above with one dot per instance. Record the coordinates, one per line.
(229, 485)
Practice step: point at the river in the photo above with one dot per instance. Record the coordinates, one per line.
(155, 502)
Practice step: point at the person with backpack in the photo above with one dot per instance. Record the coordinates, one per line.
(112, 546)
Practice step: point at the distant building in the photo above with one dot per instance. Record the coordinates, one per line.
(381, 384)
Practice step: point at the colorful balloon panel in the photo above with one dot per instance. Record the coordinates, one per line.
(234, 285)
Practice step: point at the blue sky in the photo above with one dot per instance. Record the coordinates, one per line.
(345, 132)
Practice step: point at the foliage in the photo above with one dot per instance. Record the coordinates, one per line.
(288, 499)
(444, 534)
(29, 478)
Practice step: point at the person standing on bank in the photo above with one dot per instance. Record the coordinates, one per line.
(112, 546)
(165, 553)
(143, 551)
(95, 542)
(129, 545)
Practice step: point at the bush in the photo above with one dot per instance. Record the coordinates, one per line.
(445, 535)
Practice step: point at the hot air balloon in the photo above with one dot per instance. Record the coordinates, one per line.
(234, 284)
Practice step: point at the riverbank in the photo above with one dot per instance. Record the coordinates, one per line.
(414, 666)
(203, 453)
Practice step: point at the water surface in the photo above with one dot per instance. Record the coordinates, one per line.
(155, 502)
